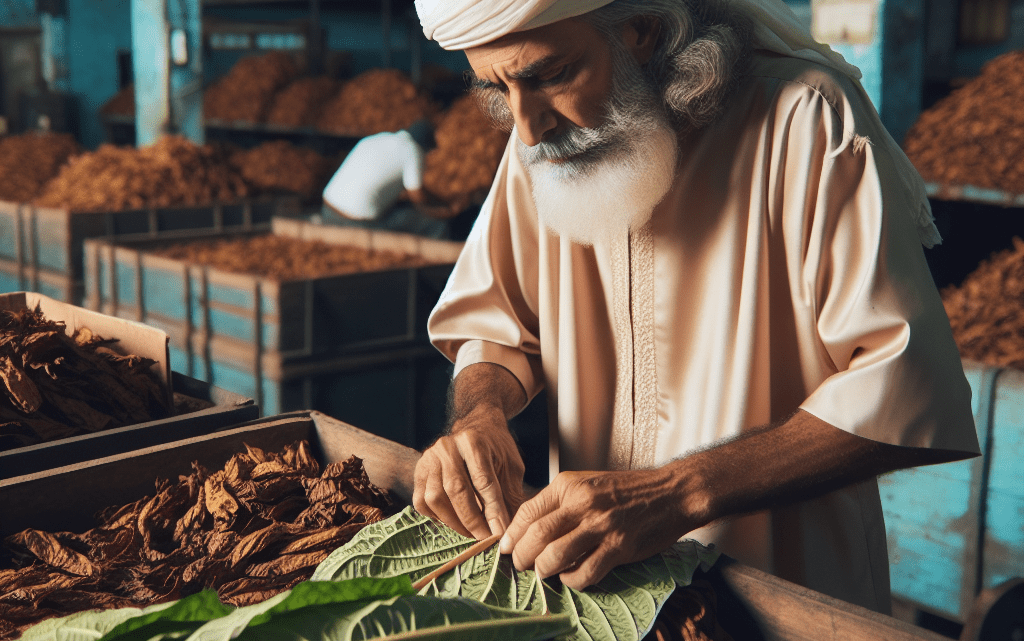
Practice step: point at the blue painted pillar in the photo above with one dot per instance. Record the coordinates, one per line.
(885, 38)
(185, 18)
(53, 29)
(167, 63)
(151, 68)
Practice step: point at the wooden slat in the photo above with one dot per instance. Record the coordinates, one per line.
(754, 604)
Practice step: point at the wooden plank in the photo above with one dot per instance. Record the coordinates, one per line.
(757, 605)
(229, 409)
(66, 498)
(10, 234)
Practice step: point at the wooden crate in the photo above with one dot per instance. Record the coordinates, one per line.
(752, 605)
(294, 319)
(16, 277)
(958, 528)
(132, 338)
(66, 498)
(756, 606)
(228, 409)
(41, 244)
(397, 392)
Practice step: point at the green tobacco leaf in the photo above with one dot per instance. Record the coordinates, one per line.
(185, 615)
(85, 626)
(312, 593)
(305, 597)
(407, 617)
(623, 606)
(405, 544)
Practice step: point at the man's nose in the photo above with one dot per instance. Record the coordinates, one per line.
(533, 115)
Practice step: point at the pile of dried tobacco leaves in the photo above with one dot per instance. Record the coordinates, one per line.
(254, 529)
(986, 312)
(286, 258)
(53, 386)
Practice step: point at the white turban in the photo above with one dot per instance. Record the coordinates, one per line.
(462, 24)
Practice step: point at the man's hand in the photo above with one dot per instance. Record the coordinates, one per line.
(472, 478)
(477, 466)
(586, 523)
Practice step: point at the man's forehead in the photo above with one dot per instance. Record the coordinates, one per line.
(515, 52)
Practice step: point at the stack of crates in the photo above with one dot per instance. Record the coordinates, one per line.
(41, 247)
(352, 346)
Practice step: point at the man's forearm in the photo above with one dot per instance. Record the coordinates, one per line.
(801, 458)
(484, 387)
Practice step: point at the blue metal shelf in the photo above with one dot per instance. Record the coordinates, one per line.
(970, 193)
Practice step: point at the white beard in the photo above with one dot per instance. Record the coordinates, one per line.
(611, 198)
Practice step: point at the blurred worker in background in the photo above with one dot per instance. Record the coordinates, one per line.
(367, 190)
(705, 246)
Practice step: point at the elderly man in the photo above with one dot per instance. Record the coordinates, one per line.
(704, 244)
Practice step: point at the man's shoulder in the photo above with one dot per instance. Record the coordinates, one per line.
(787, 74)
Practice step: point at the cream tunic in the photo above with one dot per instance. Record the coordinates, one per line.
(782, 271)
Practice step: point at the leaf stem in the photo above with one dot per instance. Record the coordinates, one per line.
(477, 548)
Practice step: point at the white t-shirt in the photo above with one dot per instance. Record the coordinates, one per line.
(374, 173)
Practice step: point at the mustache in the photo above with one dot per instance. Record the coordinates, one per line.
(576, 145)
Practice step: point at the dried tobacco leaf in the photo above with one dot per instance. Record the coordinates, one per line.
(49, 549)
(20, 389)
(975, 135)
(283, 258)
(56, 386)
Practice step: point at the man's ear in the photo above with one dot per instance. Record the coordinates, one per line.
(640, 36)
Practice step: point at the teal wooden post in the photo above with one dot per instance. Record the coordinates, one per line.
(167, 64)
(151, 68)
(885, 38)
(185, 18)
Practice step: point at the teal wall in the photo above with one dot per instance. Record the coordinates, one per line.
(18, 13)
(968, 61)
(358, 32)
(96, 30)
(93, 31)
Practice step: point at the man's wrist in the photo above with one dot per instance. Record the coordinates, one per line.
(481, 415)
(692, 490)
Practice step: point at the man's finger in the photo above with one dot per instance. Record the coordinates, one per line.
(591, 568)
(528, 513)
(488, 488)
(557, 546)
(440, 507)
(462, 496)
(541, 504)
(425, 468)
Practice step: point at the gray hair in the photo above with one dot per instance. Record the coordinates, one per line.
(702, 51)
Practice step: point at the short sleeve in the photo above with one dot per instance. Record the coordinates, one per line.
(898, 377)
(485, 313)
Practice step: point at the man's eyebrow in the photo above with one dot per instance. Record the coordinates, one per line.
(529, 71)
(476, 82)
